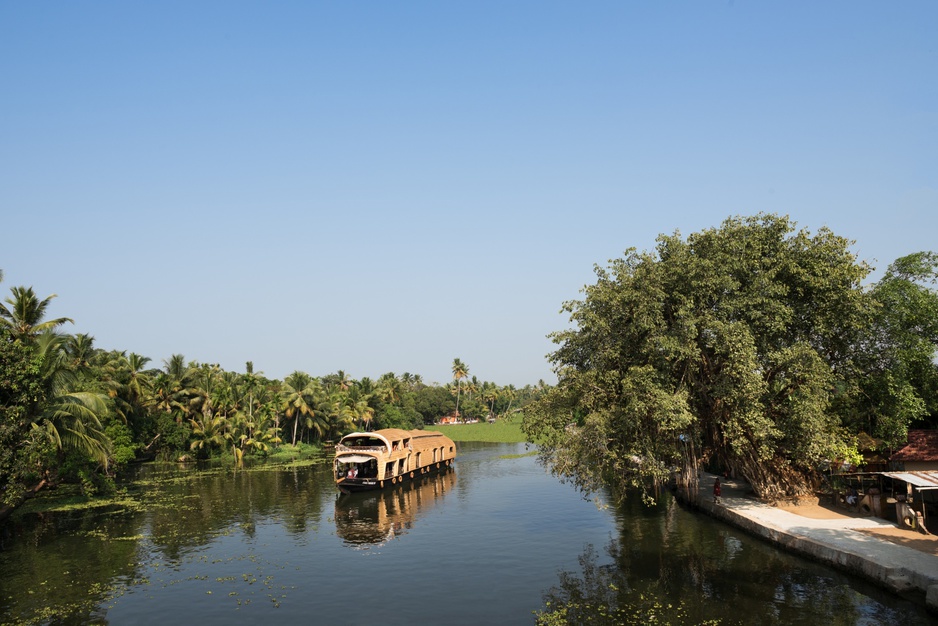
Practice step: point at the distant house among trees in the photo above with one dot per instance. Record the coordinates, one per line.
(919, 454)
(452, 418)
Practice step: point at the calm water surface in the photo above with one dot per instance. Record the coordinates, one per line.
(482, 543)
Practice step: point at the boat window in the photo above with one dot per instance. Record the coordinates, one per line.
(363, 442)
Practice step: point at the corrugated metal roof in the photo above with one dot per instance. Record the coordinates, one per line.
(921, 480)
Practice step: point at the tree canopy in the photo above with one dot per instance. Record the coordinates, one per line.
(897, 355)
(731, 347)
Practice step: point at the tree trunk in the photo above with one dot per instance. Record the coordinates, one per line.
(688, 482)
(7, 509)
(775, 479)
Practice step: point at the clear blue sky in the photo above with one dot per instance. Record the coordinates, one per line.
(385, 186)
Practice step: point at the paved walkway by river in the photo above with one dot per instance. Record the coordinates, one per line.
(839, 540)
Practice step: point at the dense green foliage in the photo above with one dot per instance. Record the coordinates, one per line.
(752, 348)
(70, 412)
(20, 392)
(899, 385)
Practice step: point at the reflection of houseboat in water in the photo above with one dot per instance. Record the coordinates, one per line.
(374, 460)
(379, 516)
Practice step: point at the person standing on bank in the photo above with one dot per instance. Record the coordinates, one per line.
(716, 491)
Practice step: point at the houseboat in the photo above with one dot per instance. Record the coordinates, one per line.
(375, 460)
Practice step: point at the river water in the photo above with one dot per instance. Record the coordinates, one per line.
(486, 542)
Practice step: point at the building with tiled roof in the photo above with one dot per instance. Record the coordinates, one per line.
(919, 454)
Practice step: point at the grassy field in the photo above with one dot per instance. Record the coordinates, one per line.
(500, 432)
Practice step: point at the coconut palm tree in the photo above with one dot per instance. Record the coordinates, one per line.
(460, 371)
(80, 349)
(490, 395)
(261, 424)
(139, 380)
(128, 384)
(24, 316)
(168, 397)
(249, 386)
(56, 369)
(181, 395)
(389, 388)
(364, 413)
(176, 367)
(338, 416)
(208, 431)
(298, 395)
(71, 420)
(510, 393)
(204, 396)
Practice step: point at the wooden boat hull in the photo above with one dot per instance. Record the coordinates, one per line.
(355, 485)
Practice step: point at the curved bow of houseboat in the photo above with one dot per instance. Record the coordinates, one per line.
(374, 460)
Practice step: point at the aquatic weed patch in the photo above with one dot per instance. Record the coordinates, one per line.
(277, 467)
(73, 611)
(519, 456)
(234, 580)
(58, 504)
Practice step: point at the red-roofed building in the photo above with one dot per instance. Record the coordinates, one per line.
(920, 454)
(452, 418)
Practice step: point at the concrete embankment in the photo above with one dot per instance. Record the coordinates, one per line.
(838, 542)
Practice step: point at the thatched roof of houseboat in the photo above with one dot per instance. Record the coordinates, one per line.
(398, 434)
(392, 434)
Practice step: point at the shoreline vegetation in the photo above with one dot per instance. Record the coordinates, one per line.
(70, 496)
(74, 414)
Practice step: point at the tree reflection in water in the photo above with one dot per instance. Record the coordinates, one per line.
(667, 567)
(600, 594)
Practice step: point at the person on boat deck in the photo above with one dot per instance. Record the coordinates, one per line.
(352, 472)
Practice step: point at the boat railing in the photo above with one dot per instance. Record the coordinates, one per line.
(343, 448)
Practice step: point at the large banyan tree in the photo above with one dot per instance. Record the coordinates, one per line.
(726, 348)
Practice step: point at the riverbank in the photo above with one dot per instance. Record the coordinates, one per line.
(902, 561)
(501, 431)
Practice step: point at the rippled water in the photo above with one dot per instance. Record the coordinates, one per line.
(482, 543)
